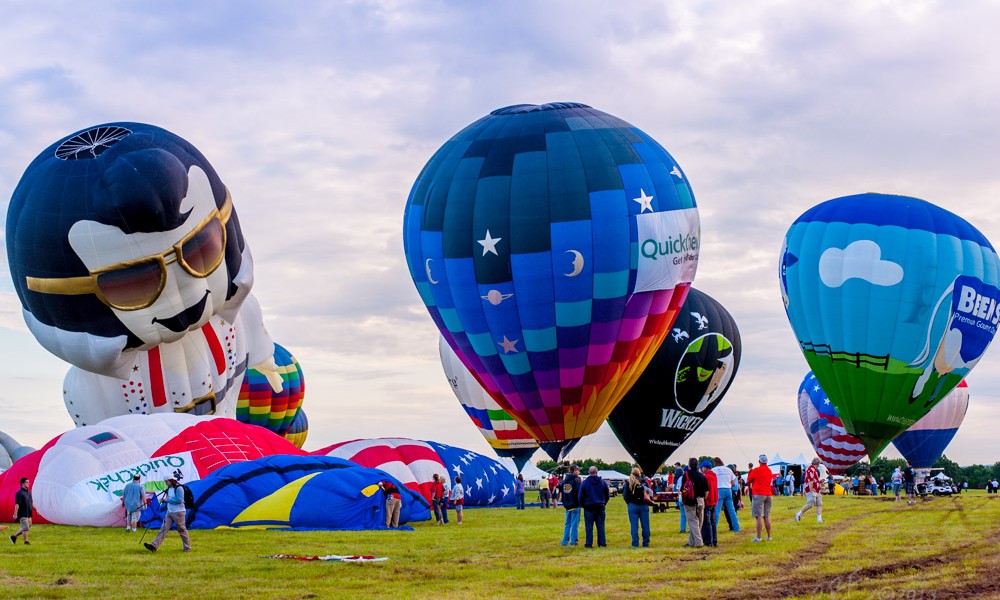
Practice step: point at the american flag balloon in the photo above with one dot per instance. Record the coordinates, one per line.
(835, 447)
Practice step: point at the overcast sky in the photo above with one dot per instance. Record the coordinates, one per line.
(319, 116)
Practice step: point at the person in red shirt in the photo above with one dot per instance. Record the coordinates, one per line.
(554, 489)
(759, 481)
(811, 488)
(438, 500)
(709, 525)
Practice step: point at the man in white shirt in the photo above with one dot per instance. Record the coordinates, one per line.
(726, 479)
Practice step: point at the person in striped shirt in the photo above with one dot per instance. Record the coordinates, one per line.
(814, 497)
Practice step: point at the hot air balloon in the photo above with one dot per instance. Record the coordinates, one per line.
(414, 462)
(924, 442)
(688, 376)
(78, 477)
(893, 301)
(835, 447)
(11, 450)
(298, 430)
(293, 492)
(144, 277)
(507, 438)
(552, 246)
(259, 404)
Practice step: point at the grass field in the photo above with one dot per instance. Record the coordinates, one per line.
(868, 547)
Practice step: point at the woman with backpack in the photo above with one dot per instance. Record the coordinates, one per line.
(637, 500)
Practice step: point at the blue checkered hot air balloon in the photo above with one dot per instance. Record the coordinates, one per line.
(553, 246)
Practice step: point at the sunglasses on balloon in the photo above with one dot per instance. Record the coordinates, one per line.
(136, 284)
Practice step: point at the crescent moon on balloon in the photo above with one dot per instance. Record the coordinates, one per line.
(577, 263)
(427, 267)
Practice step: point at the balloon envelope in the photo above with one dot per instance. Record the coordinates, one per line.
(259, 404)
(924, 442)
(683, 383)
(835, 447)
(552, 246)
(893, 301)
(505, 435)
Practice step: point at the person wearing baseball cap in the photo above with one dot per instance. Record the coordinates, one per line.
(176, 515)
(814, 497)
(709, 524)
(759, 481)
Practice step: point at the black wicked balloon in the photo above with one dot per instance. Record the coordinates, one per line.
(682, 385)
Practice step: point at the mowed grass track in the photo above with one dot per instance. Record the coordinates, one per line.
(868, 547)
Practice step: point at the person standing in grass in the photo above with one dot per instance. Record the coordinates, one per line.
(554, 489)
(709, 525)
(897, 482)
(543, 492)
(519, 491)
(570, 490)
(726, 484)
(458, 498)
(437, 500)
(134, 500)
(811, 487)
(635, 497)
(176, 515)
(693, 493)
(759, 481)
(393, 503)
(908, 481)
(594, 497)
(23, 505)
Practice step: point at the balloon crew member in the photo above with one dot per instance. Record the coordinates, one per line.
(176, 515)
(393, 503)
(23, 505)
(134, 500)
(438, 501)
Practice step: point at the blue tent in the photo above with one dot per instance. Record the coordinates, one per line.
(487, 481)
(293, 492)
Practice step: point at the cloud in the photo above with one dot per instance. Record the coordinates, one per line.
(319, 116)
(859, 260)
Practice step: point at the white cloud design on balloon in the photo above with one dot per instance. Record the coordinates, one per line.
(859, 260)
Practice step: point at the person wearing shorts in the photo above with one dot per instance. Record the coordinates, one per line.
(457, 498)
(811, 488)
(759, 481)
(23, 506)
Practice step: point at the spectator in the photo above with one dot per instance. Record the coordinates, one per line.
(910, 484)
(594, 497)
(811, 487)
(759, 481)
(457, 498)
(134, 500)
(726, 484)
(637, 500)
(438, 500)
(176, 515)
(543, 492)
(897, 482)
(709, 525)
(23, 505)
(571, 502)
(554, 489)
(694, 490)
(519, 491)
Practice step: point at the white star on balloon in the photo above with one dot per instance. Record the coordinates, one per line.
(676, 172)
(457, 469)
(490, 244)
(505, 490)
(468, 490)
(643, 200)
(508, 345)
(494, 469)
(826, 400)
(479, 482)
(816, 389)
(492, 498)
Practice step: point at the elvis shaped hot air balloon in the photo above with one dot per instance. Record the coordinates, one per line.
(128, 258)
(553, 246)
(893, 301)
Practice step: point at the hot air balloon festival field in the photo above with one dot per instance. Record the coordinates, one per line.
(333, 288)
(944, 548)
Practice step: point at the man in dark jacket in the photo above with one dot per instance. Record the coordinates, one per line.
(694, 506)
(570, 488)
(594, 495)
